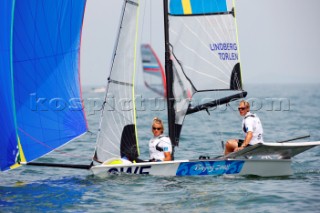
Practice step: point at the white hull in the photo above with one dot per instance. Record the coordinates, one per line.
(263, 168)
(264, 160)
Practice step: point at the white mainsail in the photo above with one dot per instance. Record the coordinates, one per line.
(203, 42)
(117, 133)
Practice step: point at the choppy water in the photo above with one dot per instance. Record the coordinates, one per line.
(38, 189)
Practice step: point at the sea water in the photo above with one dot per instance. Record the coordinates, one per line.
(286, 111)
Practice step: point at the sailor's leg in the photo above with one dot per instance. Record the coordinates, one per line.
(230, 146)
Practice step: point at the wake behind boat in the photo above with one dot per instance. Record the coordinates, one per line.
(201, 55)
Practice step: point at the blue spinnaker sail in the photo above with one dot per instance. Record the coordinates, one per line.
(40, 82)
(8, 149)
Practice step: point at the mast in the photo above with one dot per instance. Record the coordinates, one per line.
(169, 78)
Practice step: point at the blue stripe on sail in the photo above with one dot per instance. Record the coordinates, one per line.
(151, 67)
(8, 150)
(46, 44)
(188, 7)
(175, 7)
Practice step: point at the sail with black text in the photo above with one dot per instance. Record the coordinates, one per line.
(204, 53)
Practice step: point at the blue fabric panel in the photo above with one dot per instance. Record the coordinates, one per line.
(46, 45)
(8, 139)
(175, 7)
(198, 6)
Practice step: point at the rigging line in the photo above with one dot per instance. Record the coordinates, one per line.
(180, 65)
(219, 129)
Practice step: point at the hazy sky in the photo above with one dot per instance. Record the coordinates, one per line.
(279, 39)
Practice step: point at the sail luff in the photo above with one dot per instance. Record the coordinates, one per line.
(133, 81)
(9, 141)
(169, 79)
(237, 38)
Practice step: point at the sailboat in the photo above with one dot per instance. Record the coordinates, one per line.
(153, 71)
(201, 56)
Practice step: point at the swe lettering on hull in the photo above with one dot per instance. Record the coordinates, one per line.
(131, 170)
